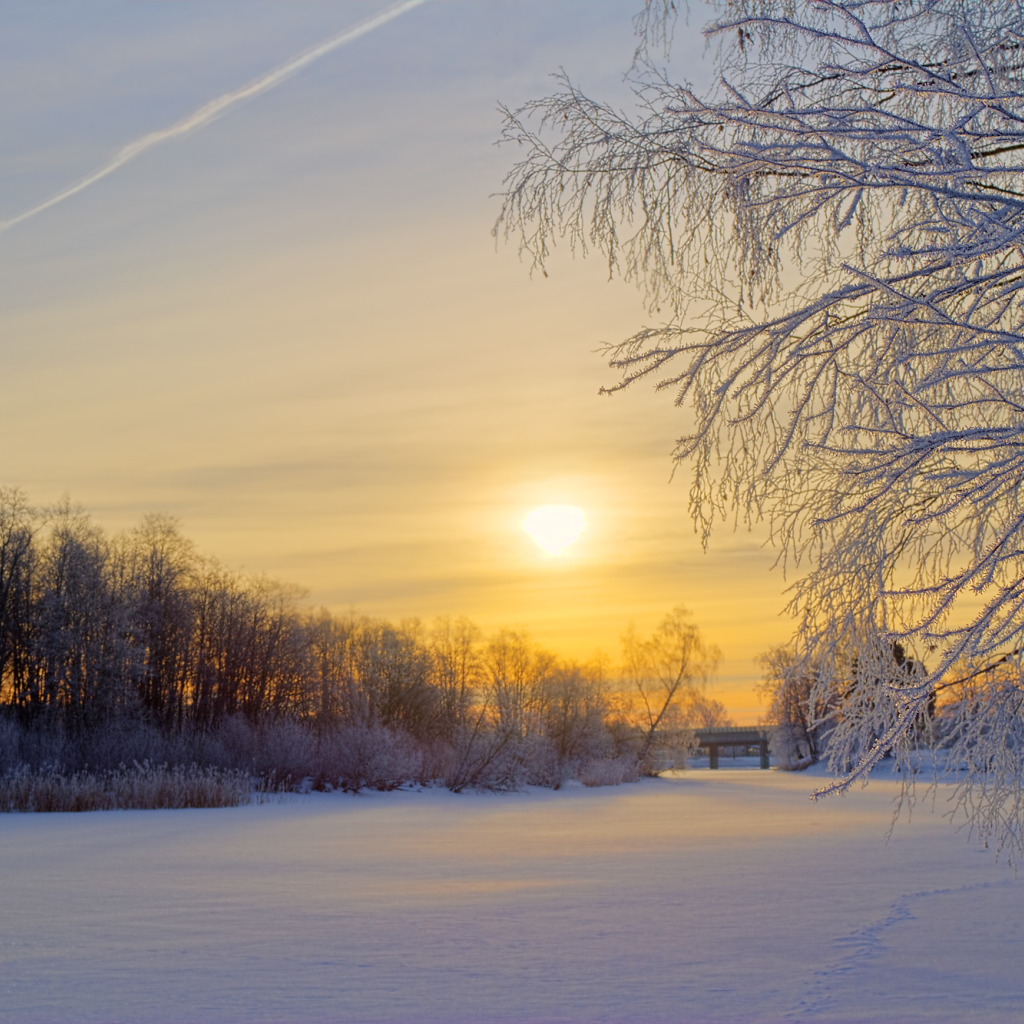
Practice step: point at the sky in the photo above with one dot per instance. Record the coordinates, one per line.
(247, 279)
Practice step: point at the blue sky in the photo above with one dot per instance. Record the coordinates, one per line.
(292, 329)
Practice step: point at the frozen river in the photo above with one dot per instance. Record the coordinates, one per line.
(706, 897)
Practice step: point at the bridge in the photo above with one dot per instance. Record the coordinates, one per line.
(744, 736)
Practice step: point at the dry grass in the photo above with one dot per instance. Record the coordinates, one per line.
(139, 787)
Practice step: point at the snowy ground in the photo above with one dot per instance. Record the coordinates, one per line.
(707, 897)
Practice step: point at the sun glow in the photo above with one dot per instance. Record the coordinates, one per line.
(555, 527)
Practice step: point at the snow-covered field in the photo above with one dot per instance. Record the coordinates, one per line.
(705, 897)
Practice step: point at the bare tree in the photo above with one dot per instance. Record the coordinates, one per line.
(327, 646)
(830, 239)
(665, 674)
(19, 523)
(84, 657)
(157, 563)
(575, 706)
(516, 673)
(457, 670)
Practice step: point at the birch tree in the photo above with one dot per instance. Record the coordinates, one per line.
(829, 243)
(666, 675)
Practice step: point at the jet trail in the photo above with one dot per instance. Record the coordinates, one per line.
(216, 107)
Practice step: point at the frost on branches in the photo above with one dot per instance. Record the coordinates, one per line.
(830, 243)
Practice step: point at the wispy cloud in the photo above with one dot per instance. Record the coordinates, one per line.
(216, 107)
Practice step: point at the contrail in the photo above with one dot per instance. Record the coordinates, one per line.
(212, 110)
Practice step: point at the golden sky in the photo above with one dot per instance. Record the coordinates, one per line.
(290, 327)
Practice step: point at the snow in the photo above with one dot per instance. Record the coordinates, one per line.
(704, 897)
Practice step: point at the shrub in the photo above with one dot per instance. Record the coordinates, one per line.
(369, 757)
(10, 745)
(483, 758)
(610, 771)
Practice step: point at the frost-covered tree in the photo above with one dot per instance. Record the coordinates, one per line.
(830, 243)
(800, 723)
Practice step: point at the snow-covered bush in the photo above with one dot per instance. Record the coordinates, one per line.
(360, 757)
(609, 771)
(285, 752)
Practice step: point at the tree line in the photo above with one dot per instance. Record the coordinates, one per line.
(137, 648)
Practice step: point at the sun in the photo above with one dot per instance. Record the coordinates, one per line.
(555, 527)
